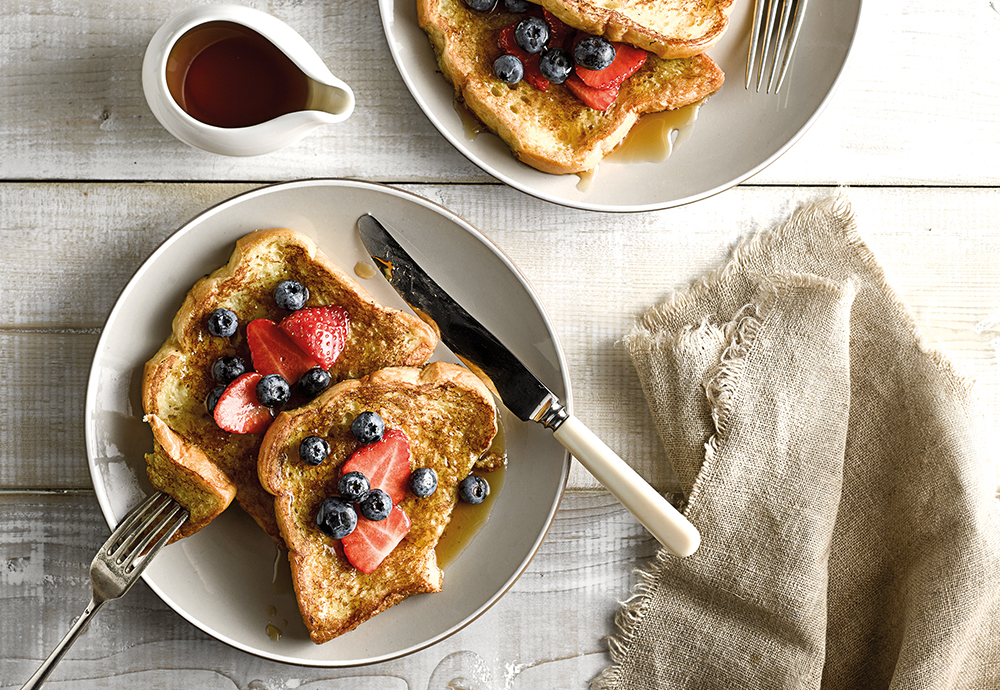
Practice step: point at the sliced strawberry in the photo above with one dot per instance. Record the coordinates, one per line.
(273, 352)
(370, 542)
(320, 331)
(386, 463)
(238, 410)
(598, 99)
(532, 73)
(559, 33)
(628, 59)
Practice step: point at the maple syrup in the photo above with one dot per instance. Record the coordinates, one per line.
(227, 75)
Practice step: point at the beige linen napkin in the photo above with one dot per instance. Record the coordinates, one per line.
(836, 468)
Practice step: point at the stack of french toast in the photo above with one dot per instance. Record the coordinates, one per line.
(284, 385)
(558, 102)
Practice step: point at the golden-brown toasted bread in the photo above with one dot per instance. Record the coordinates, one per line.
(449, 418)
(668, 28)
(178, 379)
(552, 131)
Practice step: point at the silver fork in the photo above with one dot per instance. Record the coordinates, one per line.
(119, 563)
(764, 43)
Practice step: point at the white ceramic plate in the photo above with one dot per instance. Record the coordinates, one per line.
(228, 579)
(737, 134)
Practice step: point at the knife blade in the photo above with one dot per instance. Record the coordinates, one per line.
(521, 391)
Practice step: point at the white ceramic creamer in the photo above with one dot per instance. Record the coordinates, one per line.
(236, 81)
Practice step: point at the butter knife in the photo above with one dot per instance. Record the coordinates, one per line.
(521, 391)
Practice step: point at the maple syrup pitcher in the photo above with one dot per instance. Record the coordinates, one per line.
(236, 81)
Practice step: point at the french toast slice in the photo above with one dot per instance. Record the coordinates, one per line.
(667, 28)
(552, 131)
(178, 379)
(448, 416)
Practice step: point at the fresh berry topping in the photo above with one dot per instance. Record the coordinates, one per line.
(321, 332)
(213, 398)
(481, 5)
(594, 52)
(559, 32)
(509, 46)
(370, 542)
(508, 69)
(367, 427)
(353, 487)
(516, 6)
(228, 369)
(555, 65)
(314, 382)
(291, 295)
(376, 506)
(473, 489)
(274, 352)
(628, 60)
(222, 323)
(238, 410)
(423, 482)
(598, 99)
(385, 463)
(313, 450)
(532, 34)
(336, 517)
(273, 391)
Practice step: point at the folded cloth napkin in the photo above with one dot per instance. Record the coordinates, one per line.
(836, 467)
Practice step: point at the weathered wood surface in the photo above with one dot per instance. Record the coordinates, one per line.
(918, 103)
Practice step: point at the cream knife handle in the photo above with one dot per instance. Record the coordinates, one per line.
(670, 528)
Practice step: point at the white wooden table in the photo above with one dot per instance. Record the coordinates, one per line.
(90, 184)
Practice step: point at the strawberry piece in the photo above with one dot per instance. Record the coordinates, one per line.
(273, 352)
(386, 464)
(559, 33)
(370, 542)
(532, 73)
(238, 410)
(598, 99)
(321, 332)
(628, 59)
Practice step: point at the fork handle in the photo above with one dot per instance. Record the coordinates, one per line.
(57, 654)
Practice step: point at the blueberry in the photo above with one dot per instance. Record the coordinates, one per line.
(508, 69)
(481, 5)
(376, 506)
(222, 323)
(516, 6)
(314, 382)
(367, 427)
(423, 482)
(228, 369)
(353, 487)
(473, 489)
(594, 52)
(291, 295)
(213, 398)
(531, 34)
(273, 391)
(555, 65)
(336, 517)
(313, 450)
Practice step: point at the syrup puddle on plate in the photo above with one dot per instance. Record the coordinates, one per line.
(651, 140)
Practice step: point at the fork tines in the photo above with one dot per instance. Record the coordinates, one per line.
(157, 518)
(766, 43)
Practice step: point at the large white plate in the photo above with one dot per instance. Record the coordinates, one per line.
(228, 579)
(737, 134)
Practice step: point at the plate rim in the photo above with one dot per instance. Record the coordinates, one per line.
(385, 14)
(102, 494)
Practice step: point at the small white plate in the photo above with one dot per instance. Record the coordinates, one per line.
(228, 579)
(737, 134)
